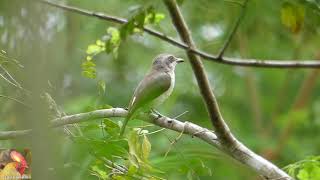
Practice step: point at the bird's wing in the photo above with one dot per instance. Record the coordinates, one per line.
(152, 86)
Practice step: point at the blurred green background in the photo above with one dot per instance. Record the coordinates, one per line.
(275, 112)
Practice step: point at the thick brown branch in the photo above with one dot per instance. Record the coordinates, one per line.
(228, 142)
(210, 57)
(221, 128)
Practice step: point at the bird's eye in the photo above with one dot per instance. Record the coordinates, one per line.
(171, 59)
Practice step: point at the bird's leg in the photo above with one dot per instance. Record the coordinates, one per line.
(156, 112)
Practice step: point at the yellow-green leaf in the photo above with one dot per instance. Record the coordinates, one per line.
(93, 49)
(133, 159)
(134, 145)
(101, 87)
(146, 148)
(292, 16)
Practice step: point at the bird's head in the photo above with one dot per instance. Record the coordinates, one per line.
(21, 163)
(166, 62)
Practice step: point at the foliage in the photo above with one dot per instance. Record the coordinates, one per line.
(111, 41)
(292, 16)
(307, 169)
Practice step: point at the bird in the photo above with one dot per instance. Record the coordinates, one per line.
(156, 86)
(14, 167)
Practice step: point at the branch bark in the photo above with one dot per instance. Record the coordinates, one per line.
(166, 122)
(204, 55)
(229, 143)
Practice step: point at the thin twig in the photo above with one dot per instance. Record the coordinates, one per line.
(173, 142)
(12, 81)
(7, 72)
(16, 100)
(181, 115)
(153, 132)
(210, 57)
(8, 81)
(234, 30)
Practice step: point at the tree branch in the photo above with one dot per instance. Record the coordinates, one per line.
(4, 135)
(209, 57)
(166, 122)
(229, 143)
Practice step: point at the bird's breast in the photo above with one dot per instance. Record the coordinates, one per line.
(159, 100)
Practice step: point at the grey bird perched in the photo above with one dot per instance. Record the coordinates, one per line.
(155, 87)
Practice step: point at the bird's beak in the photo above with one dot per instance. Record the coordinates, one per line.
(179, 60)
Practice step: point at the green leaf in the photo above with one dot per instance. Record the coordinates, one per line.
(146, 148)
(303, 175)
(152, 17)
(93, 49)
(99, 173)
(134, 145)
(114, 41)
(308, 169)
(133, 159)
(315, 174)
(99, 43)
(88, 69)
(101, 87)
(105, 148)
(292, 16)
(111, 127)
(89, 74)
(139, 19)
(115, 35)
(132, 170)
(127, 29)
(88, 64)
(89, 58)
(159, 17)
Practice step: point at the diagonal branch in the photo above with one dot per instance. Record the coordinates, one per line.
(204, 55)
(228, 142)
(234, 30)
